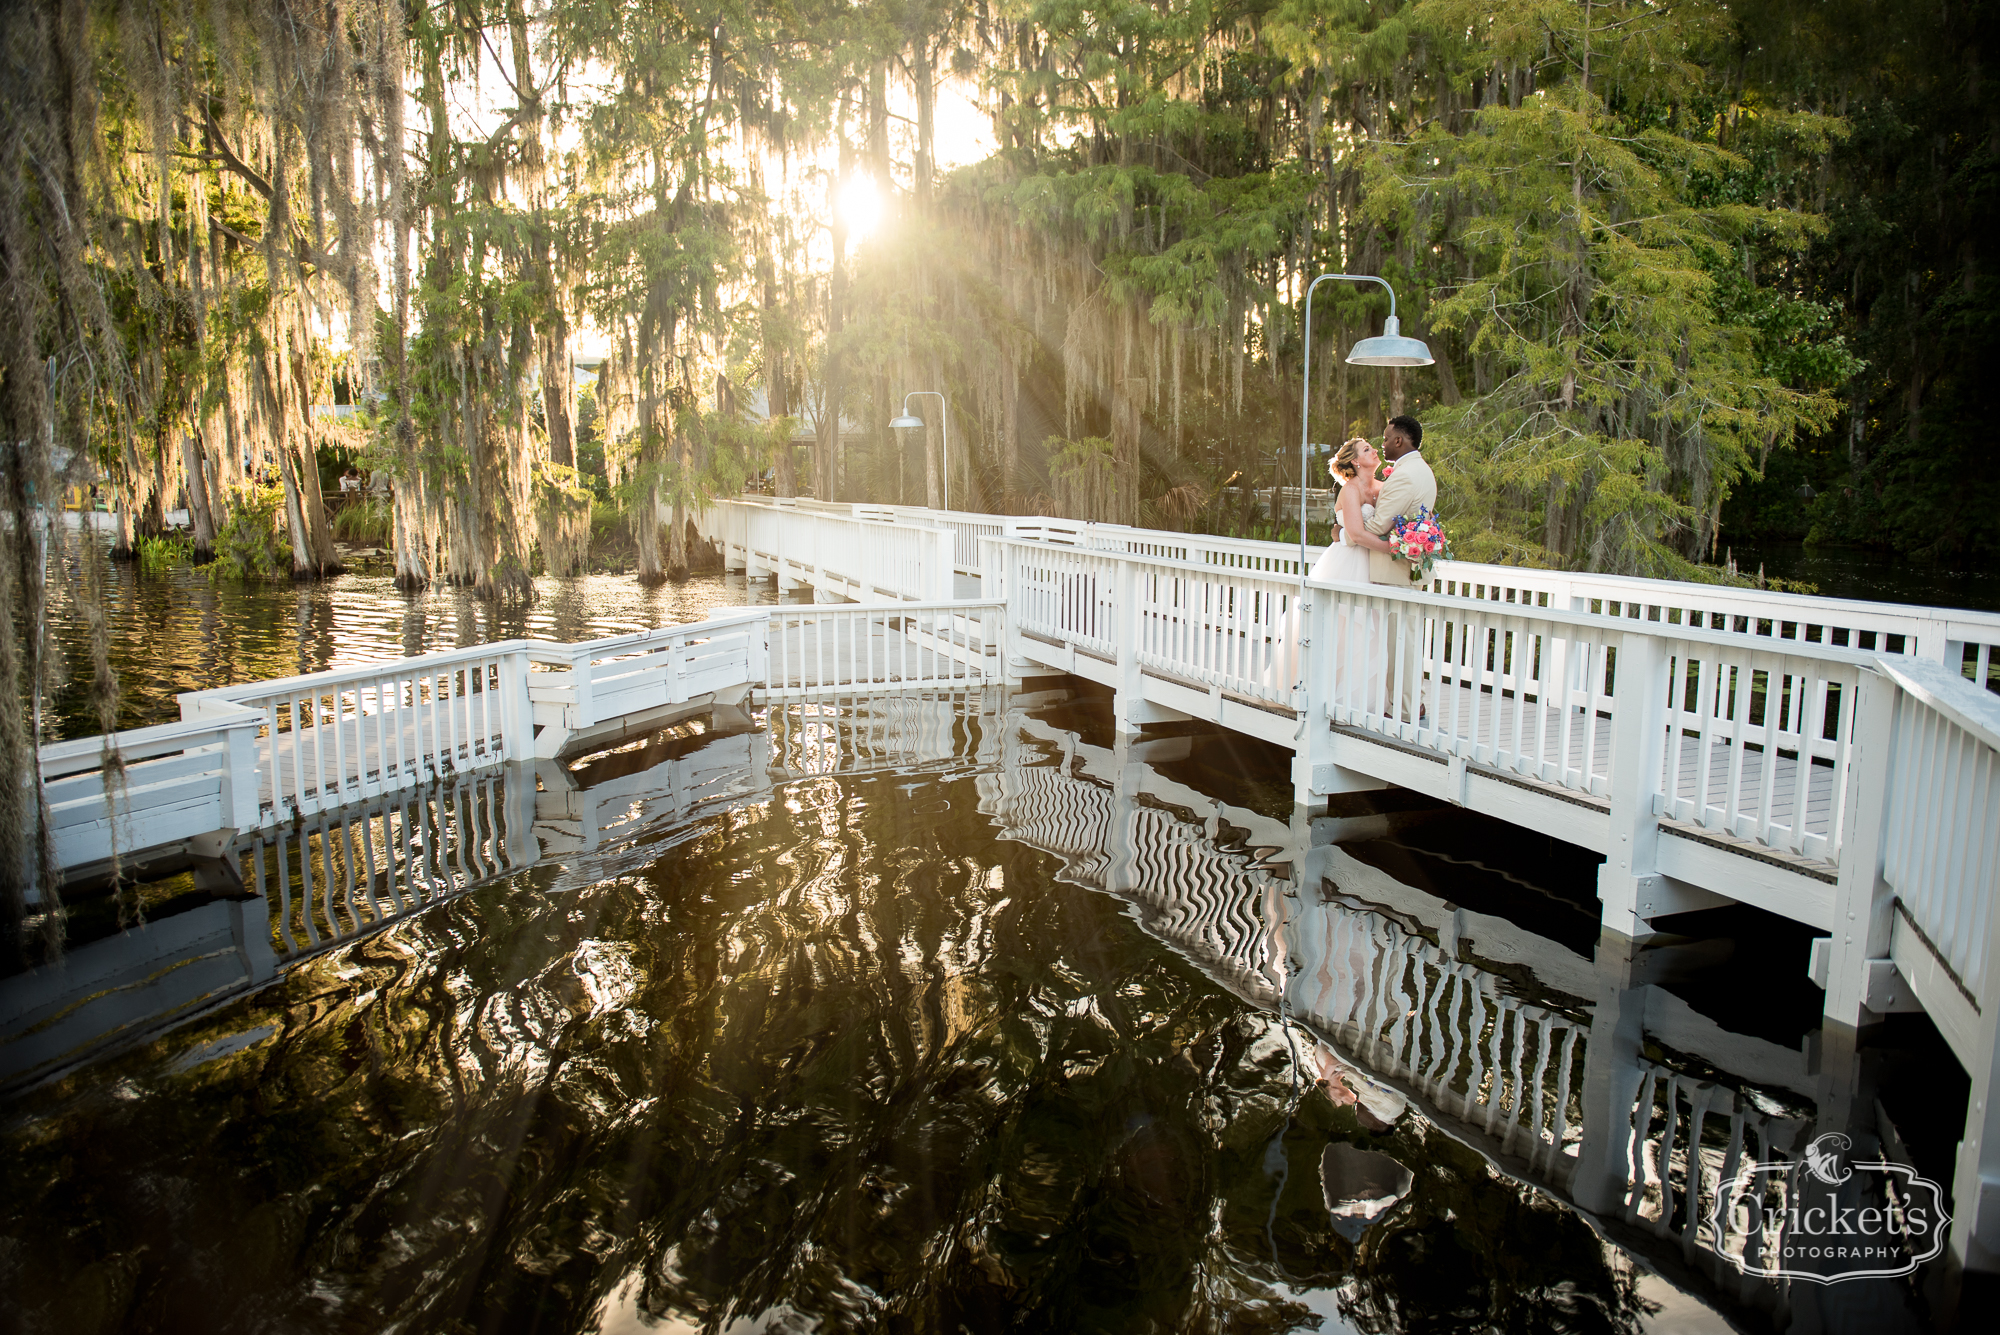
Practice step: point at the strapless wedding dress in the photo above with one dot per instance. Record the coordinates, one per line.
(1358, 661)
(1344, 562)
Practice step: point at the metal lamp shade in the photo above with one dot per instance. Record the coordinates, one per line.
(1390, 348)
(905, 423)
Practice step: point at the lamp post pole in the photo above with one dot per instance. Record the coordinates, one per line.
(910, 420)
(1305, 399)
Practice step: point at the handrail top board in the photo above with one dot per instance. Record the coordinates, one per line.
(1957, 619)
(1950, 694)
(79, 754)
(1481, 607)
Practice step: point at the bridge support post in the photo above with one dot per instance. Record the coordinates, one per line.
(1864, 906)
(781, 525)
(1975, 1189)
(1629, 879)
(239, 777)
(1129, 706)
(752, 518)
(517, 712)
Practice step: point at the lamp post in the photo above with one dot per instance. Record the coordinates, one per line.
(909, 421)
(1389, 348)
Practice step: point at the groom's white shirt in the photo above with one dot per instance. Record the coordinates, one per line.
(1411, 486)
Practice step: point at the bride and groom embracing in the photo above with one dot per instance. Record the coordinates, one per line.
(1362, 553)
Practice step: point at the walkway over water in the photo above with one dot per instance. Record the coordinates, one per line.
(1834, 763)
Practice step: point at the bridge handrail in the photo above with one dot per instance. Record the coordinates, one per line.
(238, 692)
(1950, 694)
(1935, 628)
(569, 653)
(1941, 846)
(82, 754)
(1425, 598)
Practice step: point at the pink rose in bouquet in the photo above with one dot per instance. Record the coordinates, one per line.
(1419, 539)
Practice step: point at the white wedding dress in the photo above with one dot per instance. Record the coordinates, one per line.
(1344, 562)
(1359, 653)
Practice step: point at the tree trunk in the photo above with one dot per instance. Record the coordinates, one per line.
(123, 546)
(646, 535)
(201, 520)
(925, 166)
(413, 538)
(558, 391)
(312, 551)
(152, 512)
(936, 492)
(827, 467)
(1126, 406)
(1010, 432)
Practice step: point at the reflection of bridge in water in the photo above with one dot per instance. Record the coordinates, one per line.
(1522, 1049)
(1518, 1047)
(295, 890)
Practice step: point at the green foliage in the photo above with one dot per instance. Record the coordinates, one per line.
(366, 519)
(1081, 472)
(253, 544)
(161, 554)
(590, 444)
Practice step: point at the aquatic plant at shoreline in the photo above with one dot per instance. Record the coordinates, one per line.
(159, 555)
(366, 519)
(251, 545)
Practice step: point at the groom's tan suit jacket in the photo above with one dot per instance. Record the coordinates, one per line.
(1411, 486)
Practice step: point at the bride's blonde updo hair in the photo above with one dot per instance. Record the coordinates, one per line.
(1346, 466)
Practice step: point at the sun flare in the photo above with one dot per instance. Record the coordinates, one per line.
(860, 207)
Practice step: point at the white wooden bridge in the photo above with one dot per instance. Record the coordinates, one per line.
(1833, 762)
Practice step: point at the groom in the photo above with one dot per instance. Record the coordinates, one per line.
(1410, 486)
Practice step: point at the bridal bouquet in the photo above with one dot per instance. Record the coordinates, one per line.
(1419, 539)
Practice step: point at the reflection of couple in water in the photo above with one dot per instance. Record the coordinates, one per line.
(1361, 553)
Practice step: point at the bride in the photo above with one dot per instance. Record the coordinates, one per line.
(1346, 561)
(1359, 652)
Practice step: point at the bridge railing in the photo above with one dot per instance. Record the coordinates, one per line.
(595, 681)
(330, 738)
(1727, 732)
(1941, 854)
(1214, 630)
(847, 554)
(1753, 742)
(1965, 640)
(1961, 638)
(165, 782)
(856, 647)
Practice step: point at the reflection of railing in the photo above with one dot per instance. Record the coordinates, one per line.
(1508, 1067)
(335, 877)
(1511, 1076)
(1687, 1140)
(351, 872)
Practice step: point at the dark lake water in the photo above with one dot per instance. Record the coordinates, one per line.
(954, 1014)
